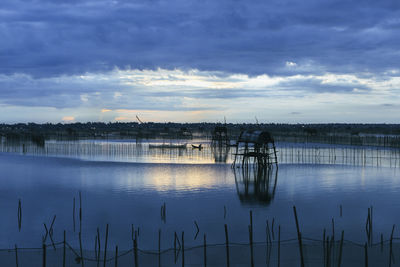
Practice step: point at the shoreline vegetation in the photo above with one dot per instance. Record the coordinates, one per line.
(385, 135)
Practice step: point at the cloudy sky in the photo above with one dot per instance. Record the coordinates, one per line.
(186, 60)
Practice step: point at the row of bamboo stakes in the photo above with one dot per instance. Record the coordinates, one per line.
(179, 245)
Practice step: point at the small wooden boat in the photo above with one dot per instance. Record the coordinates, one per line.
(197, 147)
(168, 146)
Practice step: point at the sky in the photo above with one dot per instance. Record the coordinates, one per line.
(283, 61)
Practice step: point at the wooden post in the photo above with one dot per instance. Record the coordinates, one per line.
(99, 248)
(198, 229)
(16, 255)
(381, 242)
(227, 245)
(251, 220)
(371, 226)
(299, 237)
(105, 246)
(368, 226)
(96, 253)
(159, 247)
(328, 253)
(391, 247)
(175, 246)
(183, 249)
(251, 238)
(116, 256)
(80, 211)
(73, 214)
(205, 251)
(340, 249)
(135, 249)
(272, 228)
(251, 247)
(81, 249)
(323, 245)
(268, 232)
(279, 246)
(44, 255)
(19, 215)
(366, 254)
(64, 245)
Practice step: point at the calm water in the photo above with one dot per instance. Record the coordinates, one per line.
(124, 183)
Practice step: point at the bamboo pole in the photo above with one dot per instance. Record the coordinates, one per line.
(116, 256)
(64, 245)
(251, 238)
(366, 254)
(328, 252)
(175, 246)
(159, 247)
(16, 255)
(299, 237)
(19, 215)
(340, 249)
(272, 228)
(135, 249)
(227, 245)
(80, 211)
(96, 254)
(105, 246)
(198, 230)
(391, 247)
(44, 254)
(73, 214)
(251, 247)
(323, 245)
(183, 249)
(99, 247)
(279, 246)
(81, 249)
(205, 251)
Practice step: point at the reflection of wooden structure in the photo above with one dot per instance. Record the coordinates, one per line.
(220, 136)
(255, 147)
(256, 185)
(220, 153)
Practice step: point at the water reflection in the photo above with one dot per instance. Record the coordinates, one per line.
(220, 153)
(131, 151)
(256, 185)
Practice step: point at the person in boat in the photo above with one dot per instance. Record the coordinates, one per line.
(199, 146)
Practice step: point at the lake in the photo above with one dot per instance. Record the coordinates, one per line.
(124, 183)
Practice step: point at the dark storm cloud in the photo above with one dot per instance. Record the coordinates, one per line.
(51, 38)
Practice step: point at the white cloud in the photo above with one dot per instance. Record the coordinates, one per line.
(84, 98)
(290, 64)
(178, 93)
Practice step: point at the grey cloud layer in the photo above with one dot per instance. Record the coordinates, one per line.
(50, 38)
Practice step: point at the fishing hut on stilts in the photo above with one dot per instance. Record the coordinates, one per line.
(255, 148)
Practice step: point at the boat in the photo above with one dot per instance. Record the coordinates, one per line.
(168, 146)
(197, 147)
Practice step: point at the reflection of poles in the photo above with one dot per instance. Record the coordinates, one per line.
(220, 153)
(256, 184)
